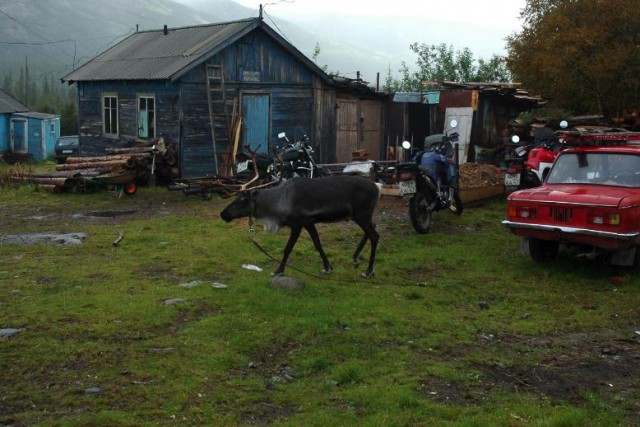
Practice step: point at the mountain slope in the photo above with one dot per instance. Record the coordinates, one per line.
(54, 37)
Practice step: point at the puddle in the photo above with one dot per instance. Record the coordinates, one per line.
(62, 239)
(106, 214)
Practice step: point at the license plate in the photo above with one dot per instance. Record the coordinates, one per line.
(67, 151)
(512, 179)
(242, 166)
(407, 187)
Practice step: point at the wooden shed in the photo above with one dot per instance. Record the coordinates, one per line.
(483, 109)
(193, 86)
(26, 135)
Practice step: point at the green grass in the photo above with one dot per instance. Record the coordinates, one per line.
(456, 328)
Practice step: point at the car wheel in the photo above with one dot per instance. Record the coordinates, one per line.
(543, 250)
(635, 268)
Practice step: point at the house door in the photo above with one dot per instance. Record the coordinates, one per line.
(18, 129)
(464, 116)
(371, 128)
(255, 121)
(347, 138)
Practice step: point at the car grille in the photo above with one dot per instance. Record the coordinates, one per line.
(561, 214)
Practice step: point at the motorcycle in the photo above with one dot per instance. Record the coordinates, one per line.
(516, 176)
(430, 180)
(294, 159)
(244, 165)
(531, 163)
(287, 160)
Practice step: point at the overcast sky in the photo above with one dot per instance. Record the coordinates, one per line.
(480, 25)
(492, 13)
(500, 18)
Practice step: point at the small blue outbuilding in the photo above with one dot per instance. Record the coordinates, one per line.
(25, 134)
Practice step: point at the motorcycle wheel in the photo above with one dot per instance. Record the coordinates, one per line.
(420, 213)
(531, 180)
(511, 188)
(456, 207)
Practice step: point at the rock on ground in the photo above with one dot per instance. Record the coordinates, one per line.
(285, 282)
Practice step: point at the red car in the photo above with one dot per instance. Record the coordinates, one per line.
(589, 202)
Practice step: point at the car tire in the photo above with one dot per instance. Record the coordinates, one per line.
(635, 268)
(543, 250)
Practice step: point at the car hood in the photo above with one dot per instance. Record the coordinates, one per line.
(594, 195)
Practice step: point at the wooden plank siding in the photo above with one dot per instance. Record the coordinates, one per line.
(371, 132)
(359, 124)
(324, 122)
(92, 140)
(254, 65)
(291, 94)
(347, 138)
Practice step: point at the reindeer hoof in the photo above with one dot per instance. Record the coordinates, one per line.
(368, 274)
(277, 273)
(327, 270)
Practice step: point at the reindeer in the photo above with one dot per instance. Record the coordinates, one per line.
(302, 202)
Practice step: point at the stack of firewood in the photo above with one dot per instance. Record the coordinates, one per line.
(159, 159)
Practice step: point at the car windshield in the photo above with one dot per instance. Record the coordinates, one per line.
(596, 168)
(65, 142)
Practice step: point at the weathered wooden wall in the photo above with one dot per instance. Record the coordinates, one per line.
(254, 65)
(92, 140)
(324, 122)
(298, 102)
(359, 127)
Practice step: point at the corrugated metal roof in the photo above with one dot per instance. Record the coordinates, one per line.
(156, 55)
(9, 104)
(36, 115)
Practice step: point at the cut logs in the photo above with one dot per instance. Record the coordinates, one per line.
(84, 173)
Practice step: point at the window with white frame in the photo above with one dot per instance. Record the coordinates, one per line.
(110, 115)
(146, 116)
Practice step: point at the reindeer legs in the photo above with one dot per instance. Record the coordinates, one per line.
(293, 238)
(311, 229)
(371, 234)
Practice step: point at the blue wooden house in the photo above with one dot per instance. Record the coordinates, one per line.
(209, 90)
(25, 134)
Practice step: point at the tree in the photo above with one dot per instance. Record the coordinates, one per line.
(69, 119)
(438, 63)
(584, 55)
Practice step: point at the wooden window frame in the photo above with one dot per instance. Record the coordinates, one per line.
(110, 115)
(150, 118)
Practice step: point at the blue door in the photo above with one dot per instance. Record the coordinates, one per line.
(255, 121)
(19, 142)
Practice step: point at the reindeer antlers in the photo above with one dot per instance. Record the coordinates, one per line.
(233, 189)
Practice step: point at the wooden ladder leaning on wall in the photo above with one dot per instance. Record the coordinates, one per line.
(222, 122)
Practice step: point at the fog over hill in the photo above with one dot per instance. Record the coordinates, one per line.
(54, 37)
